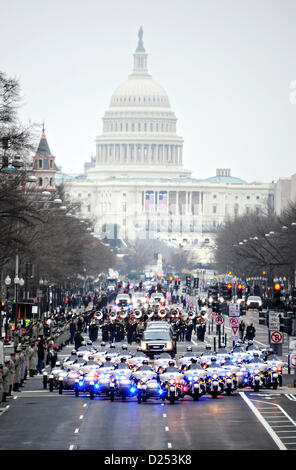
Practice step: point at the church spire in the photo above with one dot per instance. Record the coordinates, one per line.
(43, 148)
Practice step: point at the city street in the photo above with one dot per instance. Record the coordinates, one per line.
(37, 419)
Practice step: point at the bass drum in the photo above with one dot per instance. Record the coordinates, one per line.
(113, 316)
(137, 313)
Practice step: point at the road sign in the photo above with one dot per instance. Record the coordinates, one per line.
(234, 332)
(219, 319)
(234, 310)
(276, 337)
(273, 320)
(213, 314)
(233, 321)
(293, 360)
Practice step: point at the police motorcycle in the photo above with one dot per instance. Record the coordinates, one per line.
(123, 381)
(52, 378)
(233, 377)
(67, 379)
(147, 383)
(172, 381)
(162, 362)
(137, 359)
(275, 366)
(112, 352)
(215, 378)
(100, 352)
(255, 373)
(123, 353)
(87, 376)
(104, 383)
(205, 358)
(185, 359)
(221, 354)
(194, 378)
(239, 354)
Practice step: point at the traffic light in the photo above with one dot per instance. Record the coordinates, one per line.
(188, 281)
(277, 294)
(263, 272)
(170, 279)
(239, 291)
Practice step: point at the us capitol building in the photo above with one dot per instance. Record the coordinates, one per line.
(137, 186)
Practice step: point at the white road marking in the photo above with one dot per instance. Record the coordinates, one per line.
(264, 423)
(81, 417)
(169, 445)
(167, 428)
(164, 415)
(71, 447)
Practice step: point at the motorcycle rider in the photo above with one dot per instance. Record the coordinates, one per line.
(194, 364)
(108, 362)
(256, 359)
(122, 364)
(213, 363)
(171, 367)
(145, 366)
(250, 345)
(269, 354)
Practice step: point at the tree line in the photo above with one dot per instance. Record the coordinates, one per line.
(43, 230)
(251, 243)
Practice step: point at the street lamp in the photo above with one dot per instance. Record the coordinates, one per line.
(7, 283)
(17, 282)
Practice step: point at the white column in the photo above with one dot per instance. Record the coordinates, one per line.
(142, 153)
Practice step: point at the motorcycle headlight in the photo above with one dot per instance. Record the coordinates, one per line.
(257, 371)
(228, 374)
(215, 376)
(274, 369)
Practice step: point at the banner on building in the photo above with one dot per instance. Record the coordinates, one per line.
(149, 201)
(163, 201)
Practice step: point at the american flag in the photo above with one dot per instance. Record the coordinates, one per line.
(149, 201)
(163, 201)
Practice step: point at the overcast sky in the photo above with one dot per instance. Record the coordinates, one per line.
(227, 66)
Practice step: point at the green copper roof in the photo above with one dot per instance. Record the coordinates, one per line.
(225, 179)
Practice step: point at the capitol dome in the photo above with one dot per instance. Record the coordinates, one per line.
(139, 128)
(140, 92)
